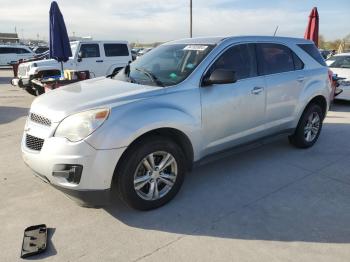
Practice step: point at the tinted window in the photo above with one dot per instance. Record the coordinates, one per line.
(21, 51)
(275, 58)
(7, 50)
(90, 50)
(298, 64)
(116, 50)
(239, 58)
(312, 50)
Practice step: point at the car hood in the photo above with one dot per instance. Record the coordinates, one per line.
(45, 62)
(89, 94)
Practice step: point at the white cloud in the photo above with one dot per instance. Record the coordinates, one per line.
(148, 21)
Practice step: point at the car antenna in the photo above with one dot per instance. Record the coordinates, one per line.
(274, 34)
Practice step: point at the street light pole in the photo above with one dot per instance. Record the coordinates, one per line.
(191, 18)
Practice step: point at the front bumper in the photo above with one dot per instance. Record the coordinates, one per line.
(21, 82)
(97, 165)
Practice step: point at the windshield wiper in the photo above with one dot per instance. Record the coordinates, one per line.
(150, 76)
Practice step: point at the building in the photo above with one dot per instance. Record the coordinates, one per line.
(9, 38)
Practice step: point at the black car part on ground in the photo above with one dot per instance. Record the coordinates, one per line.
(34, 240)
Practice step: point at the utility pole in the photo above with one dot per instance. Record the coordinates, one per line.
(191, 18)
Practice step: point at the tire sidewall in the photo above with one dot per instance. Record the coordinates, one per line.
(134, 156)
(304, 119)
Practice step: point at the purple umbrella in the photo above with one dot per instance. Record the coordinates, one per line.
(59, 42)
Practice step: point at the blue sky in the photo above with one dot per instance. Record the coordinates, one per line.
(163, 20)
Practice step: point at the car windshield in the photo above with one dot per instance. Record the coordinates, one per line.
(165, 65)
(339, 62)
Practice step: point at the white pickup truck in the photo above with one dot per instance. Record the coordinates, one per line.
(100, 58)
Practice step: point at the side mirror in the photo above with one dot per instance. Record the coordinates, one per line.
(220, 76)
(80, 56)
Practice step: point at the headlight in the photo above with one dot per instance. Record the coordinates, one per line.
(78, 126)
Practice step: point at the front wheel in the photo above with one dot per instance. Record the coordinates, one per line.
(309, 127)
(151, 173)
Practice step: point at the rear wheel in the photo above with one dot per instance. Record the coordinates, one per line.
(309, 127)
(151, 173)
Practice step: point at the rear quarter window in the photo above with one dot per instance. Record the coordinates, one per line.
(116, 50)
(274, 58)
(312, 50)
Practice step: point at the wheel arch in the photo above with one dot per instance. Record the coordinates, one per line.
(321, 101)
(170, 133)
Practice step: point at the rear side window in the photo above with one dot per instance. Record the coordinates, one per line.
(312, 50)
(298, 64)
(21, 51)
(274, 58)
(116, 50)
(239, 58)
(90, 50)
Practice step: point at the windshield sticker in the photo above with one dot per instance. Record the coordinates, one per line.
(195, 47)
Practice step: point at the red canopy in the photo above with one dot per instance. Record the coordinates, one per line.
(311, 32)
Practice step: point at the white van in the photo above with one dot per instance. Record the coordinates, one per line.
(100, 58)
(10, 53)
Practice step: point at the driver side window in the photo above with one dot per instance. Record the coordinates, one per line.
(89, 50)
(240, 58)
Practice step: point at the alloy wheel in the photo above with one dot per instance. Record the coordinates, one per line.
(155, 175)
(312, 127)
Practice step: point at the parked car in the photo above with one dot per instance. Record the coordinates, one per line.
(144, 51)
(40, 49)
(325, 53)
(100, 58)
(340, 65)
(12, 53)
(137, 133)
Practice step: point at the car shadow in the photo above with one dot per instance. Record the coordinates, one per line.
(340, 106)
(5, 80)
(9, 113)
(271, 192)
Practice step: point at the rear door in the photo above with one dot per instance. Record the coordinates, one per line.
(7, 55)
(117, 56)
(283, 71)
(23, 53)
(233, 113)
(90, 59)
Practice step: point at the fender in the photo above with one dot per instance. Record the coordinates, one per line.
(310, 91)
(111, 68)
(125, 126)
(36, 70)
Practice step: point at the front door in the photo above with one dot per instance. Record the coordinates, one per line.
(90, 59)
(234, 113)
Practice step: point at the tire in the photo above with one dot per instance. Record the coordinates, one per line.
(133, 169)
(305, 134)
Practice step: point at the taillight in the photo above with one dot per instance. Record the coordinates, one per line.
(330, 75)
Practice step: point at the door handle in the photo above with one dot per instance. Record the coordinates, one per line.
(300, 79)
(99, 61)
(257, 90)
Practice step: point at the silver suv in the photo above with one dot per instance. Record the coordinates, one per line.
(138, 131)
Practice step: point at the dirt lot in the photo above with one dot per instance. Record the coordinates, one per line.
(269, 203)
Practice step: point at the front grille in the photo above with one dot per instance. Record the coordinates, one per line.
(40, 119)
(34, 143)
